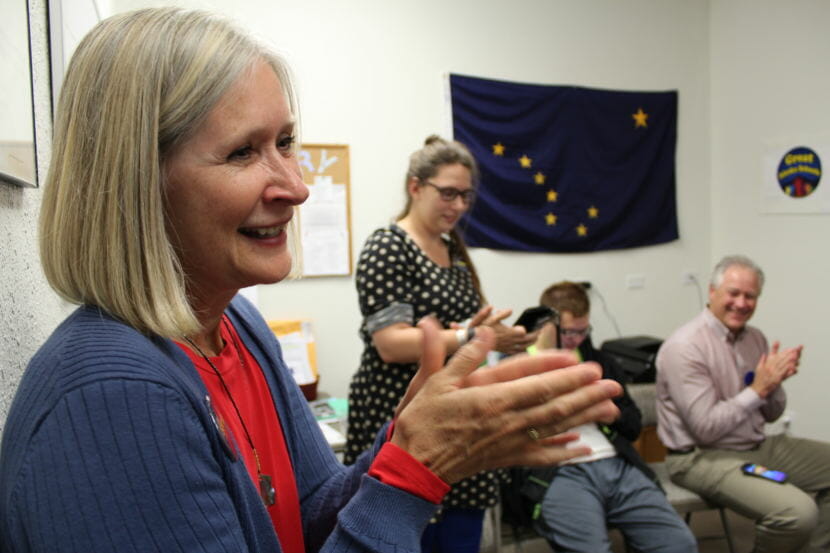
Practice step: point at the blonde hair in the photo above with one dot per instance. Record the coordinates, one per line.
(138, 85)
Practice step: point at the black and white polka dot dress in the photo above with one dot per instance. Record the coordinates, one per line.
(397, 282)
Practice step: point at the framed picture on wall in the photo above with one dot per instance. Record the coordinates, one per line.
(17, 133)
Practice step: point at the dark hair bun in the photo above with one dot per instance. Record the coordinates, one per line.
(434, 138)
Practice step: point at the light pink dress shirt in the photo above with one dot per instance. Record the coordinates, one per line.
(702, 396)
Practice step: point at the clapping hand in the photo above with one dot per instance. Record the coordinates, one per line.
(775, 367)
(459, 421)
(508, 339)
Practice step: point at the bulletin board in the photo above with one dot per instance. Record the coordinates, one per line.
(325, 218)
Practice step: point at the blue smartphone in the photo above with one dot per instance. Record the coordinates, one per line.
(763, 472)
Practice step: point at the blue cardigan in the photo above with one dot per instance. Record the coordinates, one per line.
(110, 446)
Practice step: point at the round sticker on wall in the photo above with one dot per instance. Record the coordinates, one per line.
(799, 172)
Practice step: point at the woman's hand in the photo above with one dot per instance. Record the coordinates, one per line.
(459, 421)
(509, 339)
(482, 315)
(513, 339)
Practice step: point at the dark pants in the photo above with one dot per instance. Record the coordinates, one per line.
(458, 531)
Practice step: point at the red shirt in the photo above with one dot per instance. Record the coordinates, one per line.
(246, 382)
(243, 377)
(396, 467)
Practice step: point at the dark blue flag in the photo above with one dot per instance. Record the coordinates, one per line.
(565, 168)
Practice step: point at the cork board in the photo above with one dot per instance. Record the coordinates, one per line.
(325, 218)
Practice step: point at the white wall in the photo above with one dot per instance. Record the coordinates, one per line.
(370, 74)
(15, 94)
(769, 80)
(30, 309)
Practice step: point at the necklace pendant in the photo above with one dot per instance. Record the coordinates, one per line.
(266, 490)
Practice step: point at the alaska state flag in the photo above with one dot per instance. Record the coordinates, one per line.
(565, 168)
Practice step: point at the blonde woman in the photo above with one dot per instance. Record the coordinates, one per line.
(159, 416)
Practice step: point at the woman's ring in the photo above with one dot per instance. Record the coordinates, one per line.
(533, 433)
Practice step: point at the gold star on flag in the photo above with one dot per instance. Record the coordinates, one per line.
(525, 161)
(593, 212)
(552, 195)
(550, 219)
(498, 149)
(640, 118)
(539, 178)
(582, 230)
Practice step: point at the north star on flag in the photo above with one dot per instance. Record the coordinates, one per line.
(565, 168)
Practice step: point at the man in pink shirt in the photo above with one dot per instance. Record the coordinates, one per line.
(718, 383)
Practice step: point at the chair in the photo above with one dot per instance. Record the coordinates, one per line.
(684, 501)
(491, 531)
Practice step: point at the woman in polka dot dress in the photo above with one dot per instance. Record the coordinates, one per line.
(416, 267)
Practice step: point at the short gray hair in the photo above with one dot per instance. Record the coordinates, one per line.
(733, 261)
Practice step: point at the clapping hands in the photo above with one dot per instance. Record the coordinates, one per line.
(775, 367)
(458, 420)
(508, 339)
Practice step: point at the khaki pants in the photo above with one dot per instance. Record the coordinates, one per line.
(786, 515)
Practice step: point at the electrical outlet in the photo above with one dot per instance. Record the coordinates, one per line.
(687, 278)
(636, 281)
(784, 424)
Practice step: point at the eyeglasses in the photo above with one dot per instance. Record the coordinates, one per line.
(576, 332)
(450, 193)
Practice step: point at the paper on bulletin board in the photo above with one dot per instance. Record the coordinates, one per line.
(324, 229)
(298, 351)
(791, 175)
(324, 218)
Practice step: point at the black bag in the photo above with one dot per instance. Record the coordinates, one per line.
(521, 496)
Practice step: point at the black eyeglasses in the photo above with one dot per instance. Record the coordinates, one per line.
(576, 332)
(450, 193)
